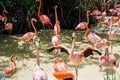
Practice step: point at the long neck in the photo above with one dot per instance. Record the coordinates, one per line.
(87, 16)
(104, 5)
(86, 32)
(57, 32)
(37, 54)
(73, 42)
(13, 61)
(111, 24)
(5, 17)
(40, 3)
(56, 17)
(106, 51)
(33, 27)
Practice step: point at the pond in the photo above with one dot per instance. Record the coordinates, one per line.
(26, 58)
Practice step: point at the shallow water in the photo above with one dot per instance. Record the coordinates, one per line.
(26, 59)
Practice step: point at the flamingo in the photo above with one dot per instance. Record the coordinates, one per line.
(43, 18)
(8, 26)
(56, 37)
(95, 13)
(62, 71)
(108, 60)
(74, 56)
(29, 35)
(11, 69)
(38, 73)
(113, 11)
(103, 14)
(84, 25)
(111, 33)
(98, 41)
(117, 8)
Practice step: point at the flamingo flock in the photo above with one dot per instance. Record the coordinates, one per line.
(62, 70)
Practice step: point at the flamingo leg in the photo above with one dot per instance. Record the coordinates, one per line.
(57, 53)
(85, 35)
(76, 69)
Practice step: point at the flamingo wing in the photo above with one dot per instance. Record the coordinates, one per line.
(81, 25)
(93, 37)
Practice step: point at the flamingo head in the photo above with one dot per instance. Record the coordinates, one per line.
(73, 35)
(57, 22)
(4, 10)
(13, 55)
(58, 59)
(33, 19)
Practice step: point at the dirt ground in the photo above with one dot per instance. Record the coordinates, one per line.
(26, 60)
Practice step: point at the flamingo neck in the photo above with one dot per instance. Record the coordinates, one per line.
(105, 5)
(13, 61)
(39, 7)
(56, 17)
(5, 17)
(33, 27)
(85, 35)
(111, 24)
(37, 53)
(88, 17)
(106, 51)
(73, 43)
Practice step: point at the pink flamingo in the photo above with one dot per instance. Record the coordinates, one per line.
(8, 26)
(108, 60)
(103, 14)
(84, 25)
(38, 73)
(117, 8)
(43, 18)
(29, 35)
(11, 69)
(62, 71)
(95, 39)
(56, 37)
(113, 11)
(111, 33)
(76, 57)
(95, 13)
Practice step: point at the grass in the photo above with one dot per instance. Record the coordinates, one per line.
(26, 59)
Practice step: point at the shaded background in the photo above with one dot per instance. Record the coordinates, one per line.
(70, 13)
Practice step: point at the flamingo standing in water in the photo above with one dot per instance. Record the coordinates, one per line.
(38, 73)
(62, 71)
(43, 18)
(76, 57)
(29, 35)
(8, 26)
(108, 60)
(56, 37)
(84, 25)
(11, 69)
